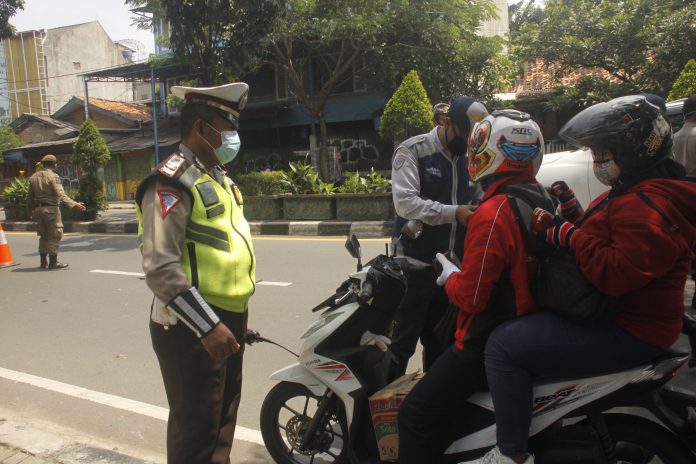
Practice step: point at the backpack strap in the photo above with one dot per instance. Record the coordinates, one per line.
(672, 226)
(524, 198)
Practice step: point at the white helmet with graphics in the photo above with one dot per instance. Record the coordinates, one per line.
(506, 143)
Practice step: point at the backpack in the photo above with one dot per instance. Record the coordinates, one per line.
(559, 286)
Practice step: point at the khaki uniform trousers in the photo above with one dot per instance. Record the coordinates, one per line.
(203, 393)
(49, 227)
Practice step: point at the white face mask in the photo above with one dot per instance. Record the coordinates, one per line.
(229, 148)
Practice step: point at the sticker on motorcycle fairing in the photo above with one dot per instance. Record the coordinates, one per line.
(168, 200)
(543, 402)
(336, 368)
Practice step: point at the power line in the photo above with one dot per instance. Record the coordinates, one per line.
(75, 73)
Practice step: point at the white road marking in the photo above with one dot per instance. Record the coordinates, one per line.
(102, 271)
(140, 274)
(274, 284)
(145, 409)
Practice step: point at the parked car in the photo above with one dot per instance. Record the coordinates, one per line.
(675, 114)
(575, 166)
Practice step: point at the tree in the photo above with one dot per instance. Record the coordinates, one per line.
(685, 85)
(636, 41)
(8, 8)
(408, 112)
(8, 140)
(89, 154)
(323, 44)
(220, 39)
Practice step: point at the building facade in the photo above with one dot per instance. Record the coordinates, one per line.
(40, 70)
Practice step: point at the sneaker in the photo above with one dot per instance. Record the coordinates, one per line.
(494, 456)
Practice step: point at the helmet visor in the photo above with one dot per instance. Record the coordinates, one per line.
(597, 125)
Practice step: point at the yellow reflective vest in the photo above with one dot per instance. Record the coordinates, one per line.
(218, 257)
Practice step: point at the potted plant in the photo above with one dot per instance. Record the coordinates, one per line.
(15, 199)
(365, 198)
(312, 199)
(262, 194)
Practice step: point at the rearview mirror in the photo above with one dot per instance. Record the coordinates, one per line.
(353, 247)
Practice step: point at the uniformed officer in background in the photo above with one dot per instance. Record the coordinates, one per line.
(199, 263)
(46, 194)
(433, 200)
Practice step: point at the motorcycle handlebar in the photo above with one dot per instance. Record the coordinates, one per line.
(366, 292)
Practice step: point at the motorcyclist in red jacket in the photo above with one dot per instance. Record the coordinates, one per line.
(634, 242)
(504, 151)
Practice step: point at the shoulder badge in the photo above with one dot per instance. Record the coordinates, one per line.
(237, 195)
(399, 161)
(171, 165)
(168, 200)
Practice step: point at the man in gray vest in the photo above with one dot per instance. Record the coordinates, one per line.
(433, 199)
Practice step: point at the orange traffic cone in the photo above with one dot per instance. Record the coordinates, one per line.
(5, 253)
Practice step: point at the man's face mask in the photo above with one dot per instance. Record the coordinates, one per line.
(229, 148)
(457, 145)
(604, 167)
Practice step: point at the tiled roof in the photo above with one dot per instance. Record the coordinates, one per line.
(539, 76)
(130, 110)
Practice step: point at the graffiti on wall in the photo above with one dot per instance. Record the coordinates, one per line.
(68, 176)
(355, 153)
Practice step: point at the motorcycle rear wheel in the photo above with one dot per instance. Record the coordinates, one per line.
(642, 441)
(286, 411)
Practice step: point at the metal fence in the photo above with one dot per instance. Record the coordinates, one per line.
(554, 146)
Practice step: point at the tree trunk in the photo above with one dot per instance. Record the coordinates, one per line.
(323, 148)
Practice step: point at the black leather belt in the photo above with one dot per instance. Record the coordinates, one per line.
(43, 204)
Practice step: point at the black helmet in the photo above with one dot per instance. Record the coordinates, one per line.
(634, 130)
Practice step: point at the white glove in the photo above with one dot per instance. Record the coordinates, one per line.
(448, 267)
(380, 341)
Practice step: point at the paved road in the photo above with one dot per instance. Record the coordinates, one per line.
(75, 354)
(89, 330)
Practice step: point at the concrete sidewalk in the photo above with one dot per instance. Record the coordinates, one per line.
(24, 442)
(120, 218)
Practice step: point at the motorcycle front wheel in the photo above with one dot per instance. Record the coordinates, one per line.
(286, 413)
(642, 441)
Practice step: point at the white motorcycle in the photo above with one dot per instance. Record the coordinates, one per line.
(319, 413)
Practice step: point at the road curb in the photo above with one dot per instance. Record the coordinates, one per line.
(294, 228)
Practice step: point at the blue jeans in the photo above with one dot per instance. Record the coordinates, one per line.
(543, 345)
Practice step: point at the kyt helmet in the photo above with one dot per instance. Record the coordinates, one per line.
(633, 129)
(505, 143)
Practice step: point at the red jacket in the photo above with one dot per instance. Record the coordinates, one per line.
(493, 243)
(626, 248)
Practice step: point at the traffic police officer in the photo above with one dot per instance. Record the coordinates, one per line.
(46, 194)
(432, 198)
(199, 263)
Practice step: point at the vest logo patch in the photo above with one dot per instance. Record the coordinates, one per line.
(168, 200)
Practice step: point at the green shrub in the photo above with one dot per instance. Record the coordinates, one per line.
(408, 112)
(261, 183)
(92, 193)
(373, 183)
(16, 192)
(685, 85)
(303, 178)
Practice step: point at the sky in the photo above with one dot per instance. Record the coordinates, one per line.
(112, 14)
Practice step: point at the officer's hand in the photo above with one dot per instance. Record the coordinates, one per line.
(464, 212)
(220, 342)
(79, 205)
(448, 267)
